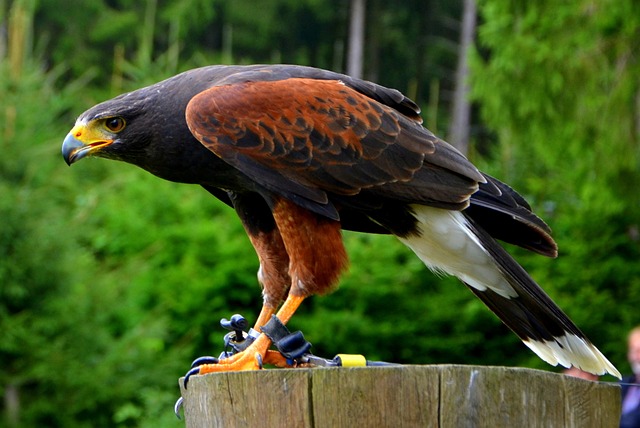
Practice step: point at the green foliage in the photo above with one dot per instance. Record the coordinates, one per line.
(111, 280)
(558, 84)
(64, 330)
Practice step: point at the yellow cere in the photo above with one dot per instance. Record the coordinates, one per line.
(90, 134)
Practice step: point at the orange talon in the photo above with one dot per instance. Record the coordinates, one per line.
(275, 358)
(258, 352)
(245, 360)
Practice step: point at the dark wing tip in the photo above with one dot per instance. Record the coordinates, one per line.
(508, 217)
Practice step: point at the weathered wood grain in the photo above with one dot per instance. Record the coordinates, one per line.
(399, 396)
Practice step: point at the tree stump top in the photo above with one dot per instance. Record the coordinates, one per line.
(399, 396)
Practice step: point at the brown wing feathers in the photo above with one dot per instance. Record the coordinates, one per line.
(326, 137)
(308, 139)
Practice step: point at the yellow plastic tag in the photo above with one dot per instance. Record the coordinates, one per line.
(352, 360)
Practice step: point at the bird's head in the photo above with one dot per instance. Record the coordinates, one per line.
(92, 137)
(146, 128)
(114, 129)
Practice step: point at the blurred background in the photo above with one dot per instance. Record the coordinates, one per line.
(112, 281)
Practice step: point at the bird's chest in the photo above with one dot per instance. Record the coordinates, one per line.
(188, 161)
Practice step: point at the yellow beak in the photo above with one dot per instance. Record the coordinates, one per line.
(82, 141)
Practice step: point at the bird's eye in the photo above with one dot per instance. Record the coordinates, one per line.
(114, 124)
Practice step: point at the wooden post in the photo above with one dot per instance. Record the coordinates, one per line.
(402, 396)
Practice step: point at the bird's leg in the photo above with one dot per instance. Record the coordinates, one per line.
(265, 315)
(285, 313)
(289, 307)
(319, 259)
(272, 357)
(273, 275)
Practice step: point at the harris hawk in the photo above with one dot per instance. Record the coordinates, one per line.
(301, 153)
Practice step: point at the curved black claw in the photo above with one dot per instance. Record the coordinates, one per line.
(204, 360)
(193, 371)
(177, 407)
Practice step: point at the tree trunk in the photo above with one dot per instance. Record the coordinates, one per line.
(355, 57)
(12, 405)
(459, 130)
(373, 41)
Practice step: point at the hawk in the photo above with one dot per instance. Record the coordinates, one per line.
(302, 153)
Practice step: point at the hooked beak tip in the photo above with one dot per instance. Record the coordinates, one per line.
(71, 147)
